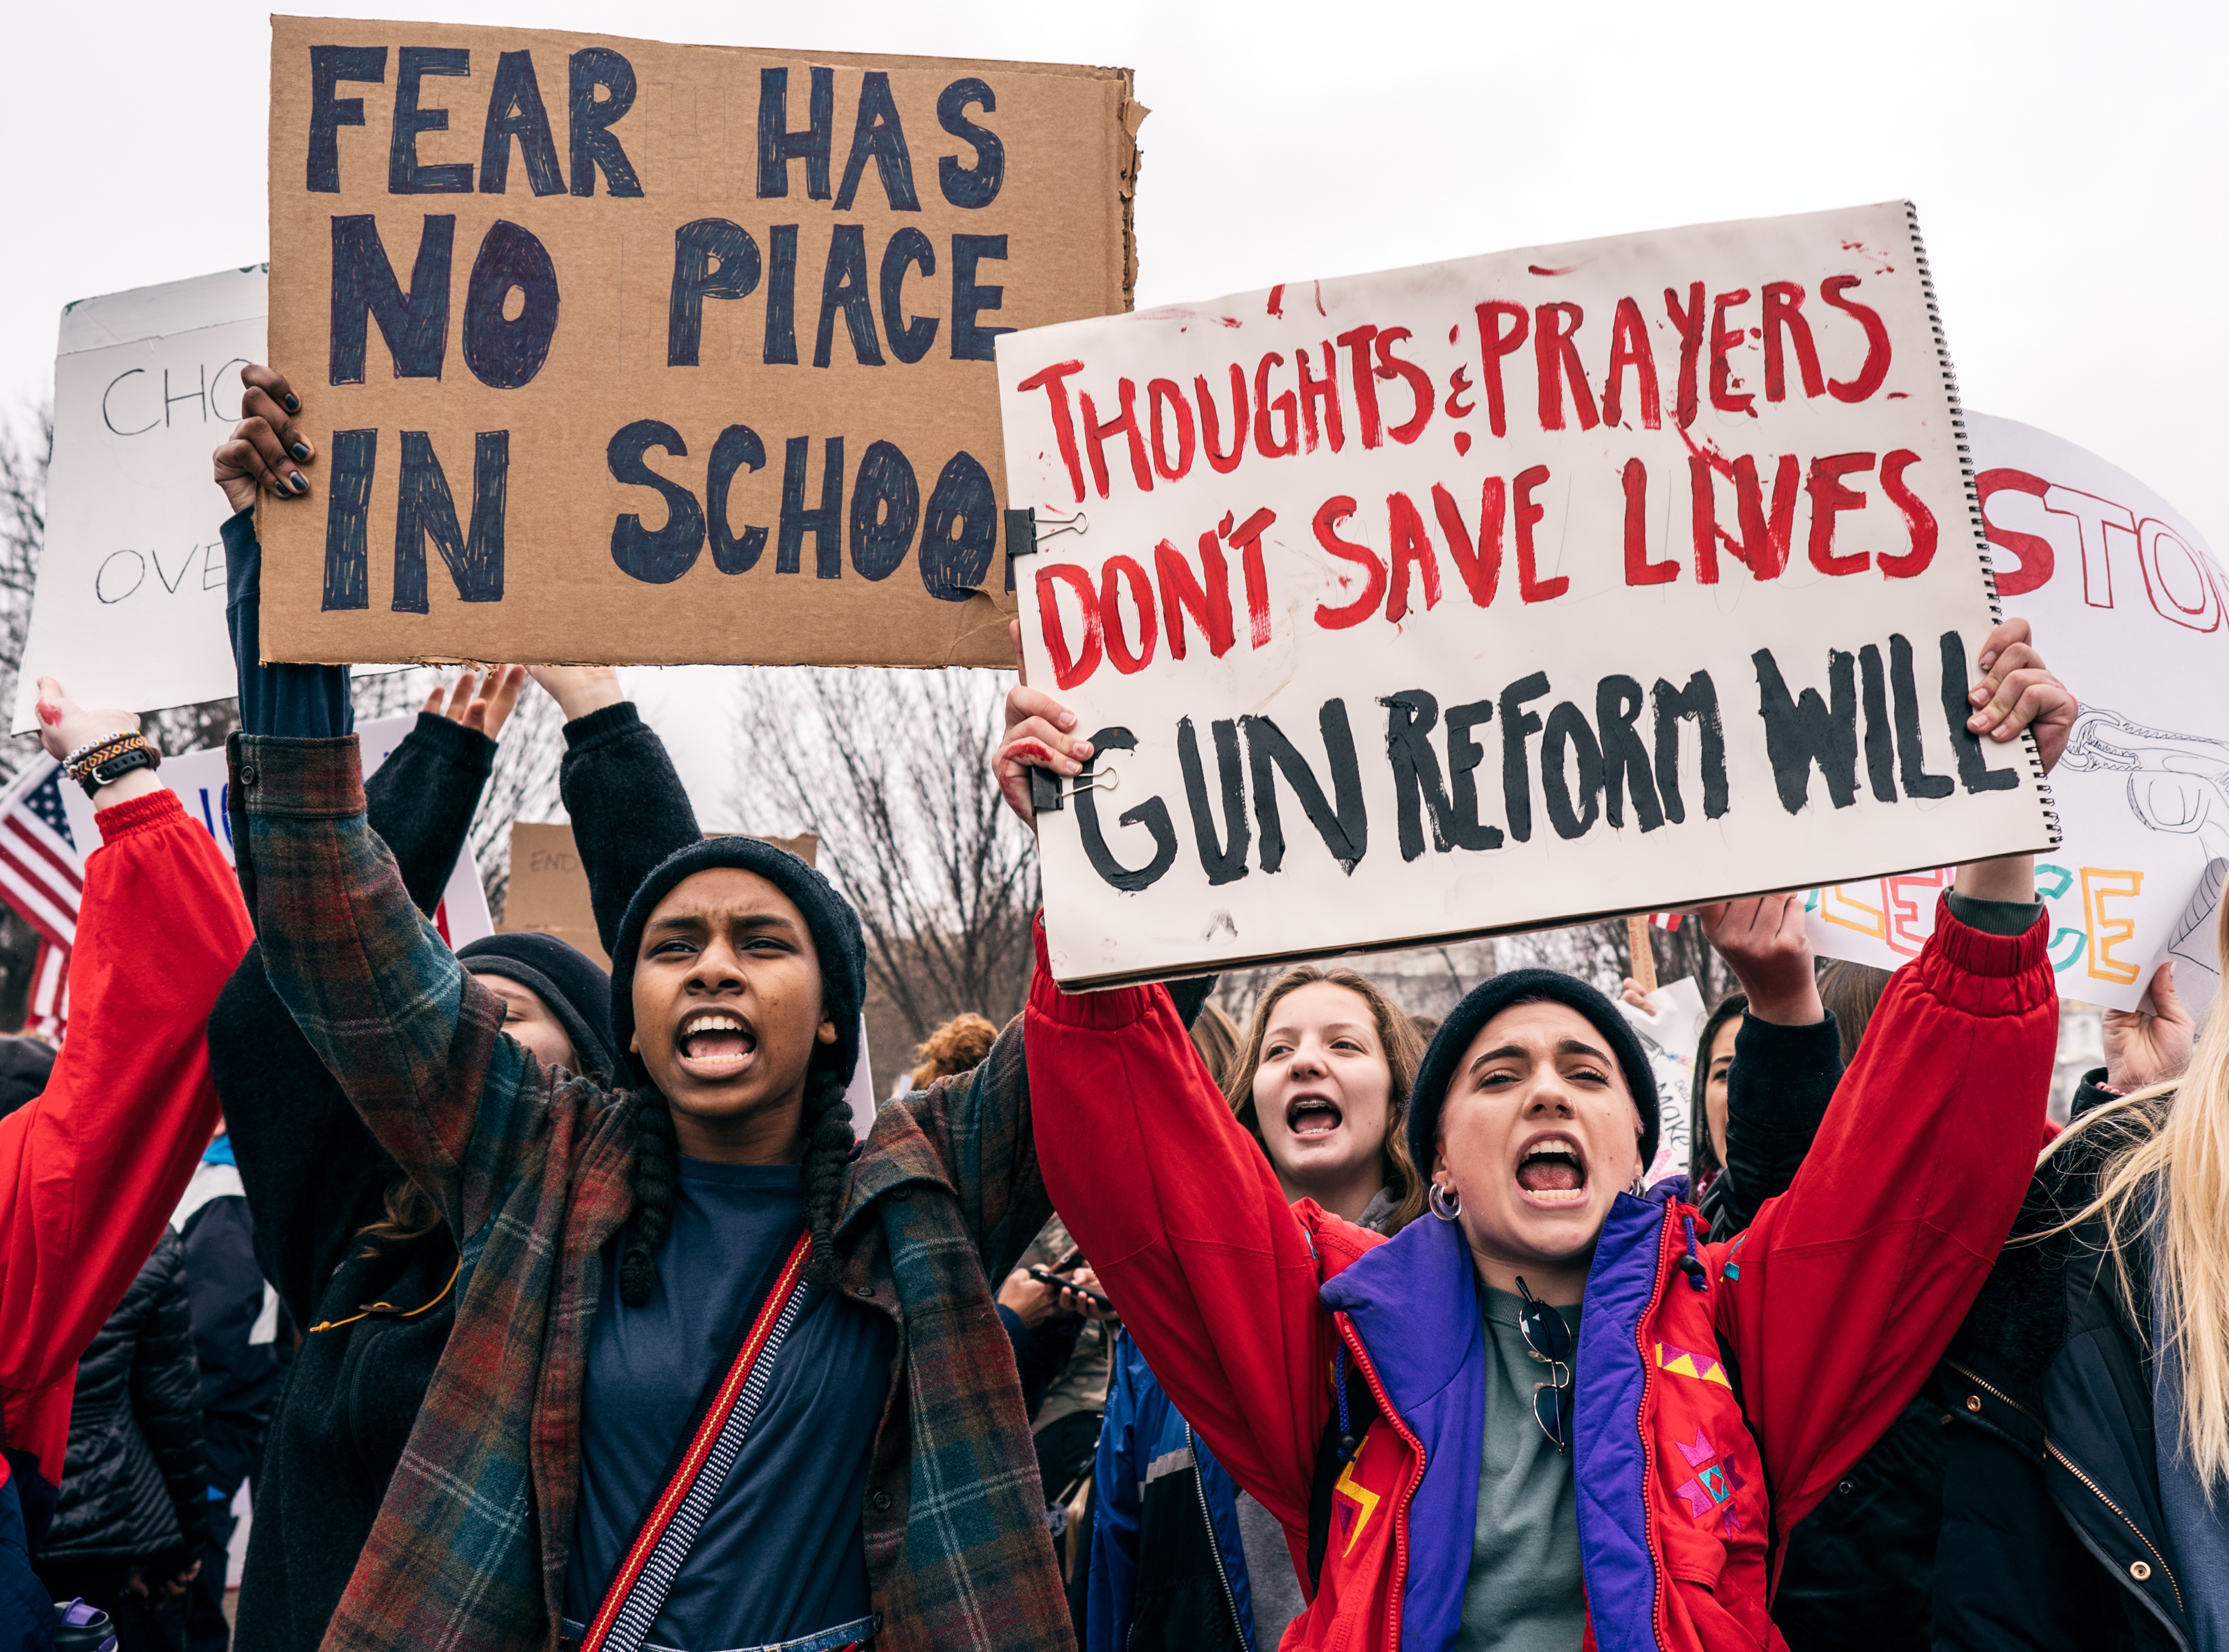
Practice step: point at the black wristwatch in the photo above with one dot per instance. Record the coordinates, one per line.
(115, 769)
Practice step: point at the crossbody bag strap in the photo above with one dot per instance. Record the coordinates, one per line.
(638, 1590)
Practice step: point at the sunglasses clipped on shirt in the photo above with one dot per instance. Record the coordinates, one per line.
(1548, 1339)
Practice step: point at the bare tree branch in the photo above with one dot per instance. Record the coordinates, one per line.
(894, 770)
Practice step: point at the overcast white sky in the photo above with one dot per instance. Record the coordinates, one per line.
(2069, 161)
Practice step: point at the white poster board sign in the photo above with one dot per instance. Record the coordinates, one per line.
(130, 607)
(201, 780)
(1504, 593)
(2128, 602)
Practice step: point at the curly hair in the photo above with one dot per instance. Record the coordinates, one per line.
(958, 1046)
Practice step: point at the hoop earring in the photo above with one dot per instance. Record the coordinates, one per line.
(1446, 1203)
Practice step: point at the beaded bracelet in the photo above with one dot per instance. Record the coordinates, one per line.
(83, 762)
(107, 744)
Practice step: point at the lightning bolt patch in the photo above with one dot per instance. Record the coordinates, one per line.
(1364, 1500)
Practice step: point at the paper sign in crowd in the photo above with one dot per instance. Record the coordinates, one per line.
(2123, 589)
(1505, 592)
(201, 779)
(626, 351)
(130, 607)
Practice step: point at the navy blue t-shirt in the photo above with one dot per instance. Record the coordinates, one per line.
(779, 1555)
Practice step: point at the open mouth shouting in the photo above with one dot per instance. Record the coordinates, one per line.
(714, 1045)
(1311, 1117)
(1551, 1171)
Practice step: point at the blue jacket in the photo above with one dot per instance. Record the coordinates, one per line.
(1160, 1490)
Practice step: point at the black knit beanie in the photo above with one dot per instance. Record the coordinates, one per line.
(1488, 1000)
(834, 926)
(577, 991)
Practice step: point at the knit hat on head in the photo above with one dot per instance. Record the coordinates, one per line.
(566, 979)
(834, 927)
(1488, 1000)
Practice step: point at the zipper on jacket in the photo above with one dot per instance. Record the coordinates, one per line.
(1649, 1538)
(1980, 1381)
(1214, 1541)
(1353, 1340)
(2098, 1492)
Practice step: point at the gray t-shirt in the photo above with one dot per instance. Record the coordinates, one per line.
(1523, 1592)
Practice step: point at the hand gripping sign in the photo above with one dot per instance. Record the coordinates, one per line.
(1506, 593)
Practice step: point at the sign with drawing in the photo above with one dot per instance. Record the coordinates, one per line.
(2128, 602)
(1506, 593)
(130, 607)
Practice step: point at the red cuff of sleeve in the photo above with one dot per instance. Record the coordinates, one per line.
(135, 814)
(1992, 974)
(1118, 1006)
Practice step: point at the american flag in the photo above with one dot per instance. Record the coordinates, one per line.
(43, 877)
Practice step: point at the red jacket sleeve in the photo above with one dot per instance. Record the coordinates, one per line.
(1845, 1290)
(1177, 1210)
(91, 1169)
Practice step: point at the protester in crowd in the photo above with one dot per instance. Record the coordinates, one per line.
(1727, 1386)
(235, 1321)
(92, 1166)
(1183, 1557)
(2089, 1387)
(1708, 1105)
(364, 1257)
(130, 1523)
(624, 1243)
(368, 1234)
(958, 1046)
(1859, 1569)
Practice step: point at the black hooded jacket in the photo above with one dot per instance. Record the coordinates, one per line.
(316, 1178)
(2052, 1532)
(135, 1482)
(1858, 1570)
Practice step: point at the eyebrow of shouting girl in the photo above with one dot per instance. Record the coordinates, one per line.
(1519, 1052)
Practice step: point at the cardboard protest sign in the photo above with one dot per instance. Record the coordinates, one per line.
(1506, 593)
(2128, 602)
(570, 311)
(202, 782)
(548, 889)
(130, 605)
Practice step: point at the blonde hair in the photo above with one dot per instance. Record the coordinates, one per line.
(2169, 1184)
(956, 1047)
(1405, 1053)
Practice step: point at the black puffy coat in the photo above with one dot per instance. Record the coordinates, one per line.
(135, 1481)
(2053, 1534)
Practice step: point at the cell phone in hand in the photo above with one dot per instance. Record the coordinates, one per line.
(1046, 1276)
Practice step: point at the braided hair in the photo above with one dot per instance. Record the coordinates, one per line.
(826, 1123)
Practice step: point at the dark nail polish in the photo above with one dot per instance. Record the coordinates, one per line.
(302, 452)
(293, 403)
(300, 487)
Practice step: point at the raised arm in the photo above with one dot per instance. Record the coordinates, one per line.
(91, 1170)
(1788, 1055)
(1844, 1292)
(308, 1163)
(1184, 1223)
(629, 808)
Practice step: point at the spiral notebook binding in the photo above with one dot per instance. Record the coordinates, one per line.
(1978, 529)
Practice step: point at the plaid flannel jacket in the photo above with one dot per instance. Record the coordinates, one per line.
(531, 1168)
